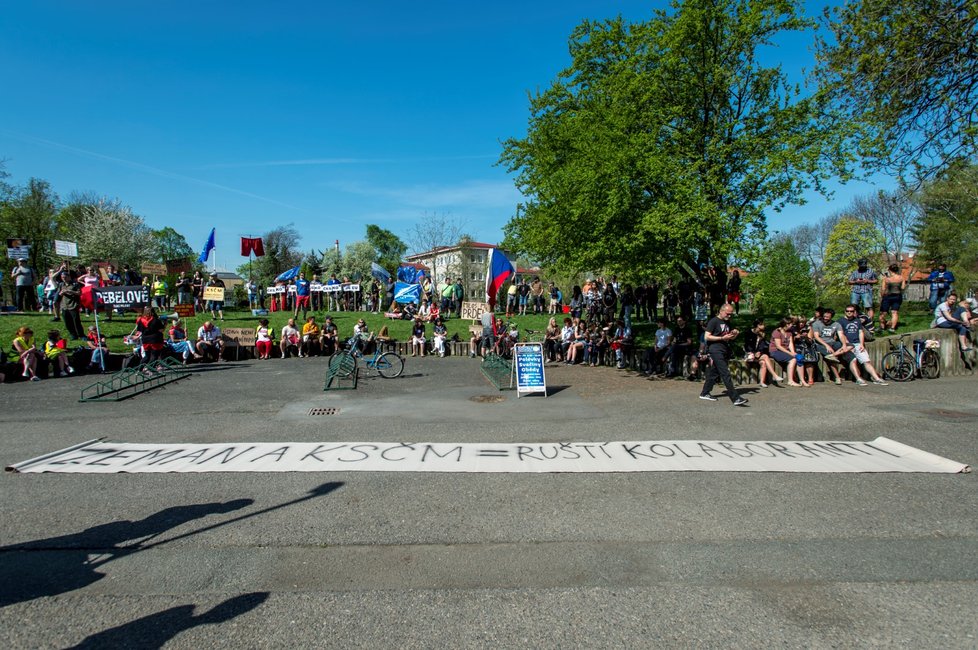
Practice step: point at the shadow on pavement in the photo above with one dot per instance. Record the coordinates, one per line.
(58, 565)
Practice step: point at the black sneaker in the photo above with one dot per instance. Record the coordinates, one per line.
(740, 401)
(708, 398)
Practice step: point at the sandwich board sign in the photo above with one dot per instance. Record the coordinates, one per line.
(528, 368)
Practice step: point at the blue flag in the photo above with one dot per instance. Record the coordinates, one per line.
(407, 274)
(379, 272)
(404, 293)
(285, 276)
(208, 247)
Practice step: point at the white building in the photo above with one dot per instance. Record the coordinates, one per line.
(467, 260)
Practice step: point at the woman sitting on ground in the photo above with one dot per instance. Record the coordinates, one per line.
(27, 353)
(757, 349)
(782, 350)
(54, 351)
(178, 342)
(417, 337)
(439, 335)
(434, 313)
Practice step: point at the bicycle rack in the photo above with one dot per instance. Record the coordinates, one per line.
(342, 369)
(133, 381)
(498, 371)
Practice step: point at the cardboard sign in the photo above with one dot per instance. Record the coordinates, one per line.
(244, 336)
(152, 269)
(351, 288)
(182, 265)
(18, 248)
(65, 248)
(185, 311)
(274, 291)
(123, 297)
(474, 310)
(214, 294)
(528, 366)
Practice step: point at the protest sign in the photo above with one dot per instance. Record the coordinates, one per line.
(879, 455)
(185, 311)
(65, 248)
(17, 248)
(151, 268)
(528, 366)
(274, 291)
(474, 310)
(123, 297)
(214, 294)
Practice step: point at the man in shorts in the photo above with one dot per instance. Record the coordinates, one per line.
(302, 292)
(216, 306)
(209, 342)
(861, 283)
(853, 333)
(834, 347)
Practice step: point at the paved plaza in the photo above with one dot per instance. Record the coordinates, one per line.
(404, 560)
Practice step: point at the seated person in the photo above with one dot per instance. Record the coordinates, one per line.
(757, 352)
(263, 339)
(424, 312)
(177, 341)
(54, 351)
(434, 313)
(621, 342)
(290, 340)
(682, 347)
(310, 338)
(361, 336)
(950, 316)
(826, 334)
(439, 335)
(409, 312)
(96, 344)
(329, 339)
(417, 337)
(209, 341)
(395, 312)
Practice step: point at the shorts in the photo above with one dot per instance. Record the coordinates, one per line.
(781, 357)
(215, 305)
(301, 301)
(524, 300)
(864, 300)
(891, 303)
(860, 353)
(733, 297)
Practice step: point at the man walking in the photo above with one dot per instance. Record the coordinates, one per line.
(718, 336)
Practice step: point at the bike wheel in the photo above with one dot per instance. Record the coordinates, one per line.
(343, 363)
(930, 364)
(389, 365)
(897, 367)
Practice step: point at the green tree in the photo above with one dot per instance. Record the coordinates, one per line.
(357, 259)
(666, 141)
(947, 229)
(783, 283)
(281, 253)
(31, 212)
(905, 71)
(850, 240)
(388, 248)
(168, 244)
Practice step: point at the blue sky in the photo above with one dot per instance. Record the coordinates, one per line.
(249, 115)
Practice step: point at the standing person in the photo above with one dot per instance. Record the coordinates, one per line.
(51, 295)
(69, 291)
(536, 294)
(216, 306)
(302, 293)
(197, 285)
(159, 292)
(861, 283)
(458, 296)
(941, 281)
(150, 328)
(23, 277)
(252, 289)
(891, 298)
(334, 302)
(718, 336)
(185, 289)
(733, 290)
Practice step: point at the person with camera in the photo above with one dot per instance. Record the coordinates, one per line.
(718, 336)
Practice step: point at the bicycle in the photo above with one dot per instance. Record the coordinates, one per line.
(902, 364)
(387, 364)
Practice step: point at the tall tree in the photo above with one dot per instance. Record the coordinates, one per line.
(666, 141)
(782, 285)
(947, 229)
(894, 215)
(388, 248)
(111, 231)
(906, 71)
(168, 244)
(810, 242)
(31, 212)
(851, 239)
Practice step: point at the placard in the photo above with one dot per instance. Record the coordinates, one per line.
(152, 268)
(274, 291)
(351, 288)
(474, 310)
(244, 336)
(185, 310)
(17, 248)
(528, 368)
(182, 265)
(65, 248)
(123, 297)
(214, 294)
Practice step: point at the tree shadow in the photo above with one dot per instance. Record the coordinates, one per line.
(154, 630)
(57, 565)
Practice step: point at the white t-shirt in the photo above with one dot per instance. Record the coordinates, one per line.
(662, 337)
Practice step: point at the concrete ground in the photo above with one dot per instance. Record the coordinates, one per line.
(478, 560)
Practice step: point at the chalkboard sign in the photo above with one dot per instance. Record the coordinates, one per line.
(528, 367)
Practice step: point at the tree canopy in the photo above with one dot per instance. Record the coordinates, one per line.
(906, 72)
(388, 247)
(666, 141)
(947, 228)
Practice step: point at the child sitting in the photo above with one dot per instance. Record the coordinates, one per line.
(54, 351)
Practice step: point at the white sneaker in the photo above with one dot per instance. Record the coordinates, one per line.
(880, 382)
(708, 398)
(71, 370)
(861, 382)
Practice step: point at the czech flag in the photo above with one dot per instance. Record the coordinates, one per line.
(499, 271)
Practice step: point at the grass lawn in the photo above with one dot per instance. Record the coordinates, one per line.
(913, 316)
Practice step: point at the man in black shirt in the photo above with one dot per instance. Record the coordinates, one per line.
(718, 336)
(682, 346)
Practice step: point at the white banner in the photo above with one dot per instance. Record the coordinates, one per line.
(880, 455)
(65, 248)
